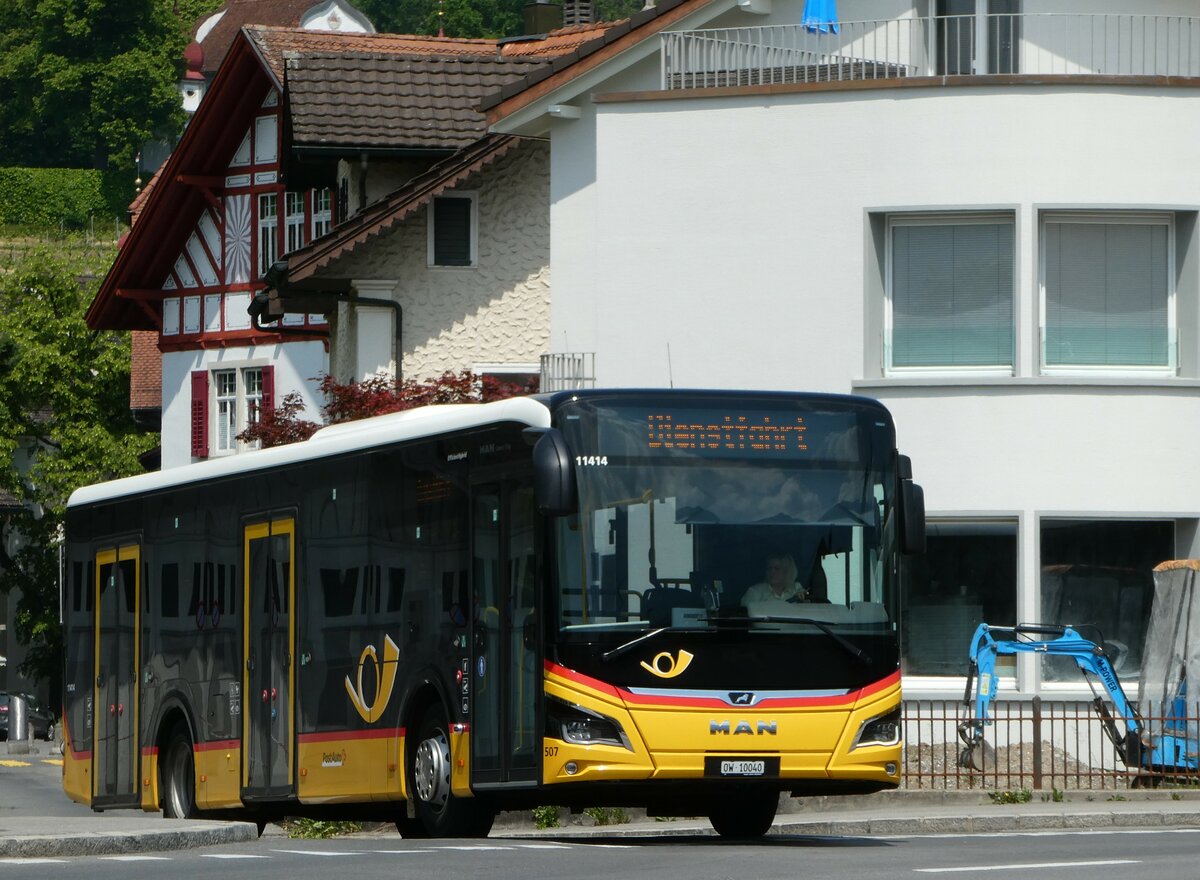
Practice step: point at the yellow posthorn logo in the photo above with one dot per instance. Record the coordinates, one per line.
(385, 679)
(674, 666)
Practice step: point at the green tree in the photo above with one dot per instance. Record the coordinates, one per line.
(84, 83)
(64, 423)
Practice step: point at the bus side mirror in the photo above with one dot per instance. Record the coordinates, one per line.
(911, 509)
(553, 474)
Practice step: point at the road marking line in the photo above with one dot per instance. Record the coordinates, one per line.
(313, 852)
(543, 846)
(1027, 866)
(33, 861)
(474, 848)
(232, 856)
(57, 762)
(136, 858)
(9, 762)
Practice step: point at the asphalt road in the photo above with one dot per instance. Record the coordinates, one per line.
(1149, 855)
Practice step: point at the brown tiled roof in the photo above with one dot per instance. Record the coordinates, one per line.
(145, 376)
(588, 51)
(274, 43)
(450, 173)
(238, 14)
(394, 101)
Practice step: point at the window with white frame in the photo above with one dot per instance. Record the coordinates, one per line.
(452, 230)
(950, 292)
(225, 385)
(239, 399)
(322, 211)
(1108, 300)
(293, 220)
(268, 231)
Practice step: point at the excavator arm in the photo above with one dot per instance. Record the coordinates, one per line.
(1121, 721)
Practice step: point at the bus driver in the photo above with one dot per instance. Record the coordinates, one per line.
(781, 583)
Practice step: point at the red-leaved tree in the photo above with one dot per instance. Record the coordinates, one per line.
(374, 396)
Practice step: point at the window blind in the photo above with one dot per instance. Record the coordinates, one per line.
(1106, 294)
(952, 295)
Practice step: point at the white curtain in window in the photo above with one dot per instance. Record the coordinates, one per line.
(1107, 294)
(952, 295)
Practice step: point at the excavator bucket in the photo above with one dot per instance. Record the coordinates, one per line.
(978, 756)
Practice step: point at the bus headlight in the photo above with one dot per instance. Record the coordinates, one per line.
(882, 730)
(575, 724)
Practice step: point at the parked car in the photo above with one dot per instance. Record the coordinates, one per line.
(35, 714)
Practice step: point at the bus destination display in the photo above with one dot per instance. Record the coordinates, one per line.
(729, 433)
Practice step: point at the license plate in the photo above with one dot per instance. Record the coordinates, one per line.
(741, 767)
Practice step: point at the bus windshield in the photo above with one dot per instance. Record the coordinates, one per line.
(685, 509)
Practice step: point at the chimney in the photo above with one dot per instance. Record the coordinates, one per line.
(541, 17)
(577, 12)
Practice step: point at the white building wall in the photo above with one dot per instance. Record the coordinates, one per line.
(298, 366)
(495, 312)
(730, 243)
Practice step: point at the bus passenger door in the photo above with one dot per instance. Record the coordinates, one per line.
(115, 700)
(506, 678)
(268, 638)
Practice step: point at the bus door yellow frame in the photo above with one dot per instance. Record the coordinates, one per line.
(269, 648)
(115, 694)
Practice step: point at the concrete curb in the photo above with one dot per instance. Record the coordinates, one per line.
(133, 841)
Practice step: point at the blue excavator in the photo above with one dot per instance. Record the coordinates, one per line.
(1164, 742)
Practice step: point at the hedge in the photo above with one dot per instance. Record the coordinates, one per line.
(62, 196)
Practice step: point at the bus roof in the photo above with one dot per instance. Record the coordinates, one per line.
(427, 421)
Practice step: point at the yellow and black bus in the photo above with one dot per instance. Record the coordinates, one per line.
(431, 616)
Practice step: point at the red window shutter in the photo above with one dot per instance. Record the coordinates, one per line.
(268, 391)
(200, 414)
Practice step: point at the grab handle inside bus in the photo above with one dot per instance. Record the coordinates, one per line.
(553, 475)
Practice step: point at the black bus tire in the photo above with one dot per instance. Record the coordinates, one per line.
(744, 815)
(178, 776)
(438, 810)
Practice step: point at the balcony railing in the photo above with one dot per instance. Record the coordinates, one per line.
(1037, 44)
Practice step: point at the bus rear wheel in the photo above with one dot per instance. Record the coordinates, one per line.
(438, 810)
(178, 775)
(743, 815)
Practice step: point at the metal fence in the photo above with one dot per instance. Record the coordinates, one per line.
(1036, 744)
(1036, 44)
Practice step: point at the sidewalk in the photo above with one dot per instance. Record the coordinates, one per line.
(899, 813)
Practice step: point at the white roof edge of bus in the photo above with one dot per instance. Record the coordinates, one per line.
(346, 437)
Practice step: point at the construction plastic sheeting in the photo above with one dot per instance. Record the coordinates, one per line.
(1172, 652)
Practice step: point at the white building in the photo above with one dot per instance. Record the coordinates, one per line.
(987, 220)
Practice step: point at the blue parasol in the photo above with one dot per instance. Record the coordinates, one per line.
(820, 16)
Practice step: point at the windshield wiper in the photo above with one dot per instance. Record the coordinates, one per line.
(819, 624)
(630, 645)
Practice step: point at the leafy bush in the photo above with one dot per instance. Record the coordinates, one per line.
(50, 197)
(1022, 796)
(607, 815)
(545, 817)
(374, 396)
(316, 829)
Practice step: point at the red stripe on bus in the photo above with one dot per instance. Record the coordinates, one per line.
(585, 680)
(374, 733)
(218, 744)
(149, 751)
(699, 702)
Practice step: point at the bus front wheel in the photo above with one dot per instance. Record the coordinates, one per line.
(179, 778)
(742, 815)
(438, 810)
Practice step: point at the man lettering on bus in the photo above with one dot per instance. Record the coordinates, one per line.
(781, 584)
